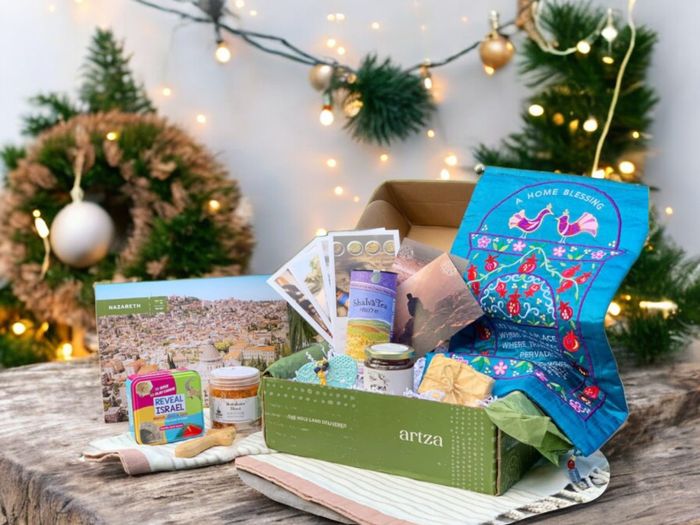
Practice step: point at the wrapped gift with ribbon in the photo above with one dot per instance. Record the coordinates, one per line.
(453, 381)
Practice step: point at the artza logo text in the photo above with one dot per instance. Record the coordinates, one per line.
(420, 437)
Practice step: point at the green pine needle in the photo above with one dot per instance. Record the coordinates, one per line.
(395, 103)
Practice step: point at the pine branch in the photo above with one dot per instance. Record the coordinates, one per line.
(394, 103)
(53, 108)
(11, 155)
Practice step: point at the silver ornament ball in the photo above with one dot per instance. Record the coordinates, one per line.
(81, 234)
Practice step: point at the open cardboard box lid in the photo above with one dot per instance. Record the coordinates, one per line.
(427, 211)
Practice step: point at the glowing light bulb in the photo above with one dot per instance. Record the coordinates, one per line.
(52, 8)
(201, 118)
(214, 205)
(18, 328)
(41, 227)
(489, 70)
(340, 50)
(451, 159)
(535, 110)
(338, 190)
(330, 17)
(326, 117)
(609, 32)
(240, 4)
(444, 174)
(356, 198)
(598, 174)
(166, 91)
(583, 47)
(590, 125)
(65, 351)
(608, 60)
(375, 26)
(636, 134)
(222, 53)
(668, 210)
(666, 306)
(626, 167)
(430, 133)
(253, 12)
(112, 135)
(331, 163)
(331, 42)
(428, 82)
(320, 232)
(614, 308)
(383, 157)
(339, 17)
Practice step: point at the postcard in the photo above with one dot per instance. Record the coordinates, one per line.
(310, 270)
(414, 255)
(198, 324)
(284, 283)
(433, 305)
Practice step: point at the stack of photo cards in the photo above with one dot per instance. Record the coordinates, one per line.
(316, 281)
(432, 300)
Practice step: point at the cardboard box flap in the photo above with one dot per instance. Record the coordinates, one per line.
(427, 203)
(427, 211)
(384, 213)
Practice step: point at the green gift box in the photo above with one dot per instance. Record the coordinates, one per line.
(440, 443)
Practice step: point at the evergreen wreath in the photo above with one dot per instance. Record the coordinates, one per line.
(176, 212)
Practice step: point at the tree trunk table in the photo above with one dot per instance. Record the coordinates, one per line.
(51, 411)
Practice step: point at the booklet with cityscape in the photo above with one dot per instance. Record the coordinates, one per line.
(198, 324)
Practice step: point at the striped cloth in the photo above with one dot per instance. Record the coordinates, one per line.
(145, 459)
(369, 497)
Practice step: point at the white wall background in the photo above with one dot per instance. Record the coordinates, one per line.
(262, 115)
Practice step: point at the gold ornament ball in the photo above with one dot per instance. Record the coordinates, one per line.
(81, 234)
(320, 76)
(352, 106)
(496, 50)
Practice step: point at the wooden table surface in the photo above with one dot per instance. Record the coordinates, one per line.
(51, 411)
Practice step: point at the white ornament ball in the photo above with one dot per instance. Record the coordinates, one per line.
(81, 234)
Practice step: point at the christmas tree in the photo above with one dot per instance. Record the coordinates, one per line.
(174, 208)
(656, 308)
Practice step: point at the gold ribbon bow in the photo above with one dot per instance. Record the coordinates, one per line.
(459, 382)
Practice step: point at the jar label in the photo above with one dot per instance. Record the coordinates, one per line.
(241, 410)
(394, 382)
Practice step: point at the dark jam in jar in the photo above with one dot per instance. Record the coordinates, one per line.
(388, 368)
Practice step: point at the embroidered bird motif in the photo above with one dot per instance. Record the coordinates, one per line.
(586, 223)
(523, 223)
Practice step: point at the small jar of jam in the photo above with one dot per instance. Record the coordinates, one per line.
(388, 368)
(233, 397)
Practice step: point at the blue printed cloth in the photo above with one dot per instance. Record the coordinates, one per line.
(546, 254)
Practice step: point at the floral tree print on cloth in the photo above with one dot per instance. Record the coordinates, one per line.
(546, 253)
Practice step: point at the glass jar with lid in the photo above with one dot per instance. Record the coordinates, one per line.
(388, 368)
(233, 397)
